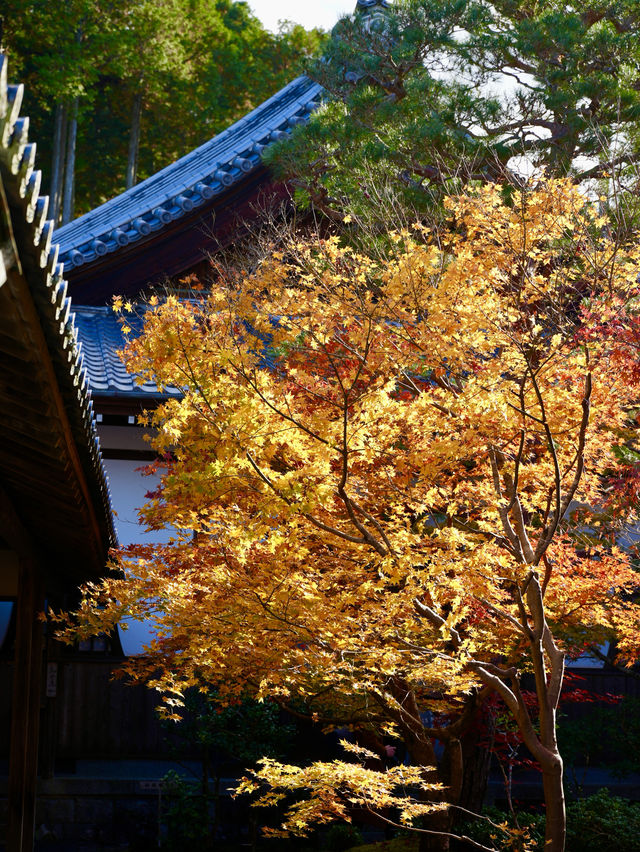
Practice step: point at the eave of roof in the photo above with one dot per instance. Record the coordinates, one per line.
(101, 337)
(39, 336)
(206, 173)
(182, 247)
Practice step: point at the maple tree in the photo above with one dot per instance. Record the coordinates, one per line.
(379, 476)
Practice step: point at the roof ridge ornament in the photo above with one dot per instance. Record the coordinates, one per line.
(369, 19)
(369, 14)
(372, 13)
(368, 6)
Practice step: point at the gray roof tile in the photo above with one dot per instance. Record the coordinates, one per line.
(101, 338)
(180, 187)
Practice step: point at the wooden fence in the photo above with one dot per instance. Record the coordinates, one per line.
(93, 716)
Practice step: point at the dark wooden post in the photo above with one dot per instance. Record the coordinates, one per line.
(25, 709)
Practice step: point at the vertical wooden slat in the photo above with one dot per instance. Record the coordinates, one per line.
(25, 716)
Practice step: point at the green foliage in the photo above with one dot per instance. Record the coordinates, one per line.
(607, 735)
(198, 65)
(227, 738)
(436, 91)
(398, 844)
(240, 733)
(603, 822)
(484, 830)
(185, 817)
(341, 837)
(599, 822)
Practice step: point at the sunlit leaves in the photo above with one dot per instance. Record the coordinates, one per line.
(331, 455)
(377, 457)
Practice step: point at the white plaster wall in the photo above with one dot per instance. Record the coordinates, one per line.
(128, 487)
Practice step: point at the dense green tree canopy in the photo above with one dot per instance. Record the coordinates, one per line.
(428, 89)
(144, 80)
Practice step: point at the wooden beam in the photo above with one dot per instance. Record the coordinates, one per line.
(13, 530)
(25, 709)
(33, 329)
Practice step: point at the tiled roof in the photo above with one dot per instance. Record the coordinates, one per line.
(100, 335)
(367, 5)
(203, 174)
(35, 258)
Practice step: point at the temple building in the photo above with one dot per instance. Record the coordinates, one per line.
(71, 451)
(71, 446)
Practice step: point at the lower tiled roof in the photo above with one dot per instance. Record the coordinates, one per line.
(100, 337)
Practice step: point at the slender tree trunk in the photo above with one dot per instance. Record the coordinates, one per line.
(552, 774)
(134, 141)
(477, 743)
(57, 161)
(548, 668)
(422, 754)
(555, 821)
(69, 175)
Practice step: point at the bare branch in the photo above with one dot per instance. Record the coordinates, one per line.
(437, 621)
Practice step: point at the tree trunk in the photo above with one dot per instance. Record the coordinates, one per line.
(57, 161)
(548, 668)
(134, 141)
(555, 828)
(477, 743)
(423, 754)
(69, 175)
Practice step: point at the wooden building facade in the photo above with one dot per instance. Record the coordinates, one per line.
(55, 516)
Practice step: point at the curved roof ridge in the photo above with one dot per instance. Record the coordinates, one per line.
(206, 172)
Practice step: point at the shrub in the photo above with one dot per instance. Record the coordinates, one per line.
(603, 821)
(340, 837)
(606, 735)
(485, 832)
(594, 824)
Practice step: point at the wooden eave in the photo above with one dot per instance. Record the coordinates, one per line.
(50, 467)
(180, 248)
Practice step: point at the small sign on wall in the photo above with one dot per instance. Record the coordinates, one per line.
(52, 680)
(158, 785)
